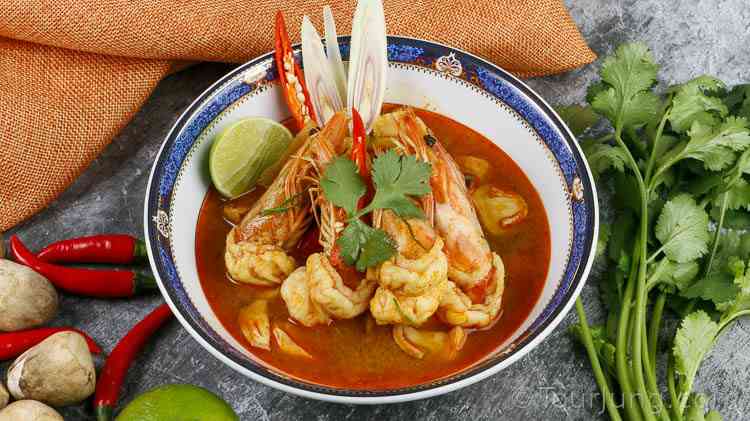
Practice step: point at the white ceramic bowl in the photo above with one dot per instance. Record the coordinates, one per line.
(422, 74)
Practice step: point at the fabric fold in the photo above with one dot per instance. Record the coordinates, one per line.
(73, 72)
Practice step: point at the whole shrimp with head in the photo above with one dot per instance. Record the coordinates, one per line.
(257, 249)
(413, 281)
(473, 298)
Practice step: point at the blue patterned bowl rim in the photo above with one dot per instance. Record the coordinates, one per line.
(486, 76)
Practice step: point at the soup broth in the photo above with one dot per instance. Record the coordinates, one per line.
(356, 353)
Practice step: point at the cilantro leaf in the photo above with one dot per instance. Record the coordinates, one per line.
(715, 147)
(363, 246)
(677, 276)
(577, 117)
(396, 177)
(377, 248)
(342, 184)
(693, 340)
(738, 100)
(628, 76)
(717, 287)
(682, 228)
(350, 242)
(692, 103)
(602, 157)
(738, 196)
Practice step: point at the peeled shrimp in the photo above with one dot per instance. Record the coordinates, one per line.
(412, 283)
(457, 309)
(296, 295)
(256, 249)
(417, 343)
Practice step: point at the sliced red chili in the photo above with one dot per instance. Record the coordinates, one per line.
(88, 282)
(13, 344)
(109, 248)
(359, 144)
(291, 78)
(359, 155)
(116, 367)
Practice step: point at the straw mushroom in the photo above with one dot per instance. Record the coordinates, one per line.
(28, 410)
(27, 299)
(58, 371)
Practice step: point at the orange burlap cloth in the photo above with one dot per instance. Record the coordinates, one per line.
(73, 72)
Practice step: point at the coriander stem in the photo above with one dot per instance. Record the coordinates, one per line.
(621, 348)
(724, 323)
(673, 389)
(654, 278)
(657, 138)
(715, 246)
(640, 294)
(655, 254)
(588, 343)
(653, 335)
(653, 388)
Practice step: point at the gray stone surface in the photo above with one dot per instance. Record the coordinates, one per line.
(552, 382)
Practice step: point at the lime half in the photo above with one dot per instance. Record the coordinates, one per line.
(174, 402)
(243, 151)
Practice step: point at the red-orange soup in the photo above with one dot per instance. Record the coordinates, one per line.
(345, 355)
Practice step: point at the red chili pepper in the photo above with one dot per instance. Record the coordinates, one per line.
(13, 344)
(359, 144)
(359, 155)
(88, 282)
(116, 367)
(109, 248)
(291, 78)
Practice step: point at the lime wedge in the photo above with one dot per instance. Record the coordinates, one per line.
(243, 151)
(177, 402)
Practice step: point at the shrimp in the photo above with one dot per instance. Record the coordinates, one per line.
(328, 292)
(257, 248)
(456, 308)
(417, 343)
(296, 295)
(412, 282)
(468, 253)
(474, 296)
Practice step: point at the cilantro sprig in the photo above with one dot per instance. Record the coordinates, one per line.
(397, 179)
(679, 161)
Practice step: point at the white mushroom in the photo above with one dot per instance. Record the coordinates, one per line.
(58, 371)
(499, 209)
(472, 166)
(27, 299)
(28, 410)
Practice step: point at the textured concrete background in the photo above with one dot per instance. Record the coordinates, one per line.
(552, 382)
